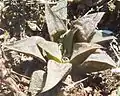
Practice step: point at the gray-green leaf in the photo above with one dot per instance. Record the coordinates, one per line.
(55, 25)
(100, 37)
(37, 82)
(27, 46)
(61, 9)
(81, 51)
(97, 61)
(86, 26)
(30, 46)
(55, 72)
(68, 42)
(51, 48)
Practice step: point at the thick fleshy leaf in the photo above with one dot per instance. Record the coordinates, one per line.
(68, 42)
(61, 9)
(55, 72)
(118, 91)
(97, 61)
(30, 46)
(86, 26)
(106, 32)
(55, 25)
(51, 48)
(102, 36)
(37, 82)
(27, 46)
(81, 51)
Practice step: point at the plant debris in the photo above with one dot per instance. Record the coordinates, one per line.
(59, 48)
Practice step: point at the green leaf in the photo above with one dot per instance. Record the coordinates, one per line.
(30, 46)
(68, 42)
(118, 91)
(98, 61)
(100, 37)
(81, 51)
(51, 48)
(55, 73)
(55, 25)
(86, 26)
(60, 9)
(27, 46)
(37, 82)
